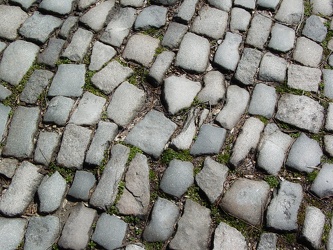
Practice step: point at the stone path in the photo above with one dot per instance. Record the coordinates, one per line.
(166, 124)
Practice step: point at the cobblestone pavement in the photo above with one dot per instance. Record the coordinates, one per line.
(166, 124)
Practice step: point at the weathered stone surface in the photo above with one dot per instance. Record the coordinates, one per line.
(305, 154)
(77, 229)
(8, 167)
(83, 4)
(35, 86)
(20, 139)
(323, 184)
(237, 100)
(193, 53)
(174, 35)
(300, 111)
(290, 12)
(4, 92)
(110, 232)
(247, 140)
(82, 184)
(323, 7)
(211, 178)
(133, 3)
(272, 68)
(111, 76)
(125, 104)
(307, 52)
(101, 11)
(273, 149)
(214, 89)
(73, 146)
(259, 31)
(193, 228)
(227, 237)
(240, 24)
(58, 110)
(186, 11)
(282, 38)
(51, 192)
(11, 232)
(3, 45)
(269, 4)
(328, 144)
(329, 117)
(51, 53)
(153, 16)
(119, 26)
(179, 93)
(329, 244)
(21, 191)
(210, 22)
(263, 100)
(16, 60)
(42, 232)
(68, 81)
(283, 209)
(267, 241)
(79, 45)
(89, 110)
(105, 133)
(210, 140)
(314, 29)
(222, 5)
(4, 113)
(101, 54)
(152, 133)
(227, 54)
(46, 146)
(39, 27)
(177, 178)
(107, 188)
(247, 199)
(248, 65)
(11, 18)
(134, 247)
(313, 226)
(61, 7)
(68, 26)
(163, 218)
(160, 67)
(25, 4)
(136, 196)
(328, 82)
(247, 4)
(304, 78)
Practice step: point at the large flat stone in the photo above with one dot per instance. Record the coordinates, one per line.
(17, 59)
(193, 53)
(107, 188)
(20, 140)
(11, 18)
(74, 144)
(152, 133)
(21, 191)
(300, 111)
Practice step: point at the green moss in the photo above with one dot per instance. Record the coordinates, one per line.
(170, 154)
(312, 176)
(224, 157)
(326, 159)
(88, 86)
(131, 219)
(67, 173)
(139, 76)
(324, 43)
(159, 50)
(295, 135)
(92, 245)
(55, 246)
(307, 8)
(121, 61)
(63, 60)
(263, 119)
(272, 181)
(284, 89)
(154, 245)
(154, 32)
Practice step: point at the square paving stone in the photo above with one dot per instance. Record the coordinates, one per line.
(308, 52)
(11, 18)
(61, 7)
(83, 183)
(38, 27)
(315, 28)
(58, 110)
(240, 19)
(193, 53)
(282, 38)
(100, 55)
(272, 68)
(210, 140)
(51, 53)
(153, 16)
(263, 101)
(290, 12)
(46, 145)
(74, 144)
(304, 78)
(68, 81)
(68, 26)
(152, 133)
(141, 49)
(259, 31)
(174, 35)
(210, 22)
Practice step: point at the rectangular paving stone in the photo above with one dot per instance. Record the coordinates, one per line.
(73, 146)
(51, 53)
(305, 78)
(61, 7)
(107, 188)
(105, 133)
(58, 110)
(186, 11)
(22, 189)
(11, 18)
(174, 35)
(79, 45)
(4, 113)
(20, 140)
(77, 229)
(259, 31)
(159, 68)
(68, 26)
(46, 146)
(17, 60)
